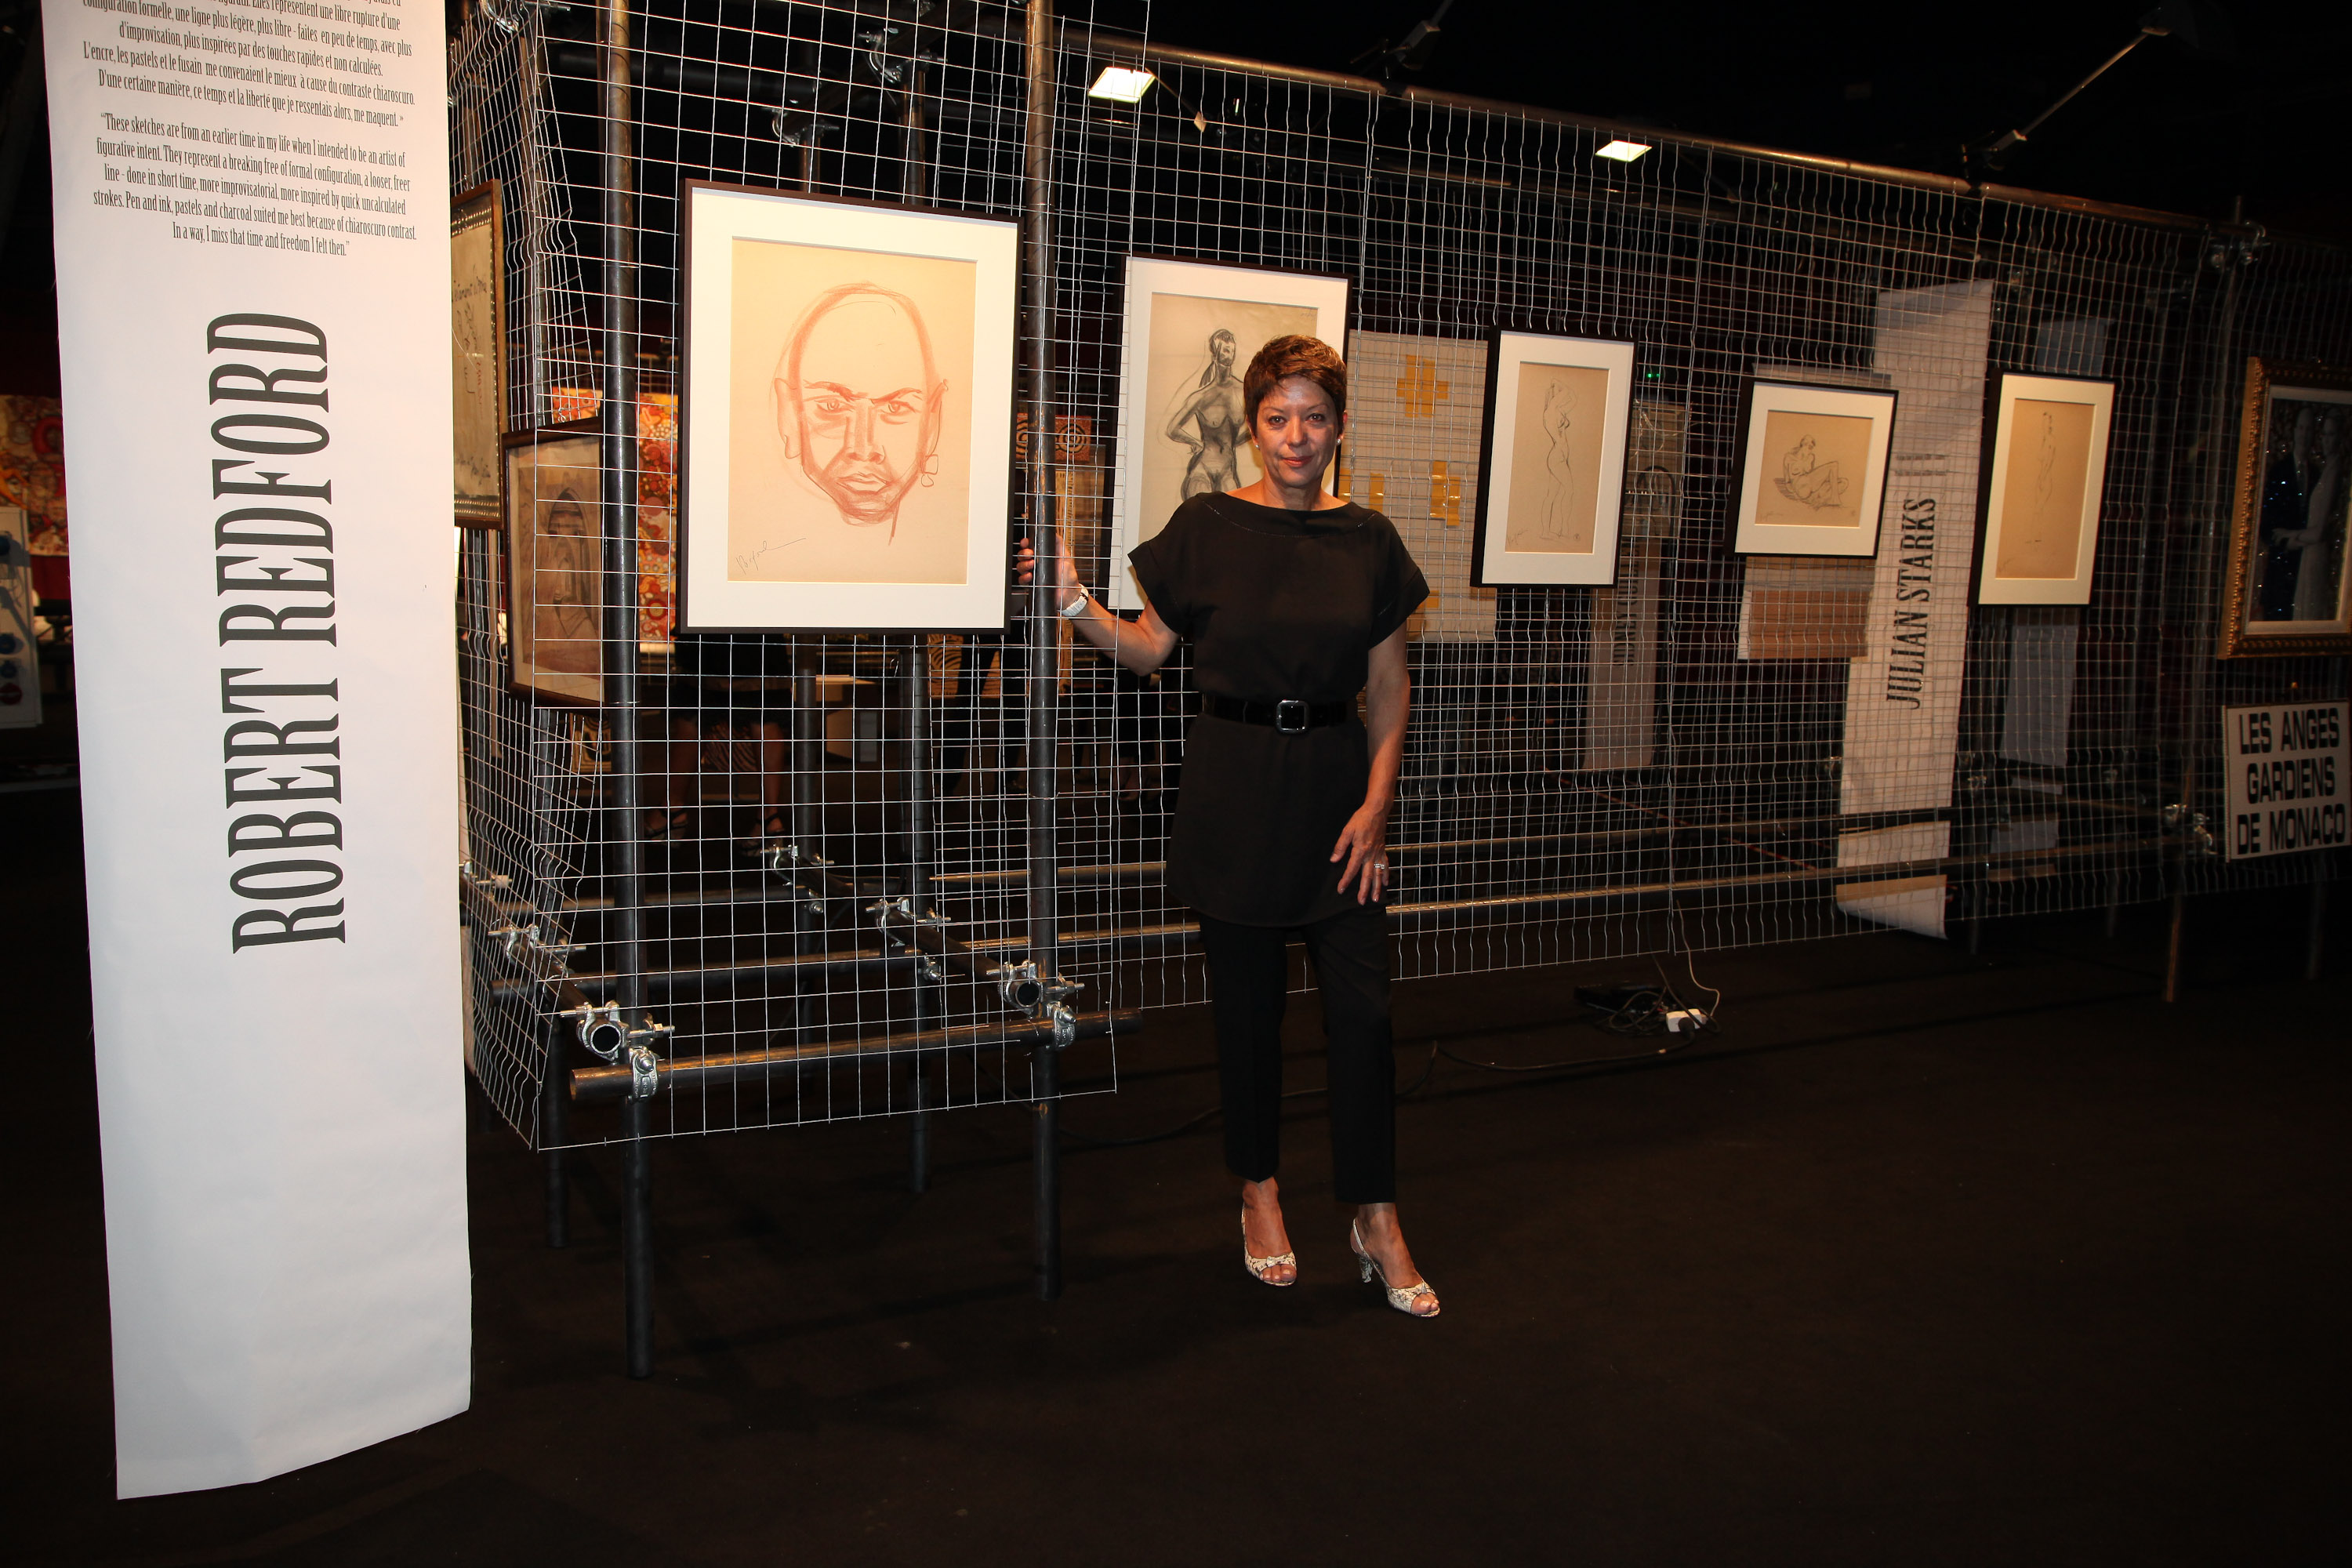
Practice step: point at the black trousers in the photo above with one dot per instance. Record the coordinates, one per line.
(1248, 976)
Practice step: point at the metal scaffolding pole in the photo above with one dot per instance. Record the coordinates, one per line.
(1045, 625)
(620, 463)
(918, 901)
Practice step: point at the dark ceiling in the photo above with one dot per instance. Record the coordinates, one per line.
(2173, 126)
(2188, 128)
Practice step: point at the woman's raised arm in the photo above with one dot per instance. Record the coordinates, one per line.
(1143, 645)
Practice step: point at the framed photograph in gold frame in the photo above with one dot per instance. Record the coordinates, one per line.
(2286, 592)
(478, 358)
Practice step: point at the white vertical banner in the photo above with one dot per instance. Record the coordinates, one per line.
(1903, 695)
(252, 232)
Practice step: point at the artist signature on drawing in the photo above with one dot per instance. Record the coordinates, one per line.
(748, 564)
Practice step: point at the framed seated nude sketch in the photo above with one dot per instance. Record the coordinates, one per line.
(1813, 468)
(2286, 591)
(846, 428)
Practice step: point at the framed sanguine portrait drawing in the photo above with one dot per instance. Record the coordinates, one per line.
(846, 430)
(1192, 328)
(1813, 468)
(2286, 591)
(1553, 460)
(555, 565)
(478, 357)
(2043, 484)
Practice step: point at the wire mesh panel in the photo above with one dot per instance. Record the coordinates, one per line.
(804, 861)
(2279, 300)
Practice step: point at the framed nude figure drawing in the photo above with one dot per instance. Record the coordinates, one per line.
(2043, 486)
(2287, 590)
(1554, 463)
(1813, 468)
(1191, 329)
(845, 432)
(555, 565)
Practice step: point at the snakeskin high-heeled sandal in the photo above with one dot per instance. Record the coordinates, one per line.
(1258, 1265)
(1404, 1297)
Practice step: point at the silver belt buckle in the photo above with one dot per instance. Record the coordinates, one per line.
(1290, 717)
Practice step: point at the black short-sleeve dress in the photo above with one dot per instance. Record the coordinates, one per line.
(1276, 604)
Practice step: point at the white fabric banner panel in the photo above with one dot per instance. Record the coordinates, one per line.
(1903, 695)
(253, 298)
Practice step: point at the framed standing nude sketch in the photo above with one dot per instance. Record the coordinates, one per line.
(555, 565)
(1812, 470)
(2042, 489)
(846, 430)
(1192, 331)
(478, 358)
(2286, 591)
(1554, 461)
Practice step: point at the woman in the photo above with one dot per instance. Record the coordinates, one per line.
(1294, 602)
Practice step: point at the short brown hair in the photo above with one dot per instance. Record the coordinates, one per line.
(1286, 357)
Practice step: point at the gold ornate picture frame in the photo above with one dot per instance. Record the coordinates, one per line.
(2287, 592)
(2045, 481)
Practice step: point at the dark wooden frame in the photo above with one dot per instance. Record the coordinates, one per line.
(522, 567)
(464, 209)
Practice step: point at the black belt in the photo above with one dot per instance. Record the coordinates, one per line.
(1291, 715)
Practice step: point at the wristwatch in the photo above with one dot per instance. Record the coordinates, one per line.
(1076, 607)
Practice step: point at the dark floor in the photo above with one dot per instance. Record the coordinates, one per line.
(1926, 1260)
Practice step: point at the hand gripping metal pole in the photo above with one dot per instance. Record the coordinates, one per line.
(1044, 624)
(620, 463)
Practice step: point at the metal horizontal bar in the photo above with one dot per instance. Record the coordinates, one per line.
(1066, 875)
(703, 975)
(1884, 871)
(1917, 179)
(592, 1084)
(932, 937)
(1179, 936)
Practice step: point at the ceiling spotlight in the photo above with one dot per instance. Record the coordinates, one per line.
(1623, 151)
(1121, 85)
